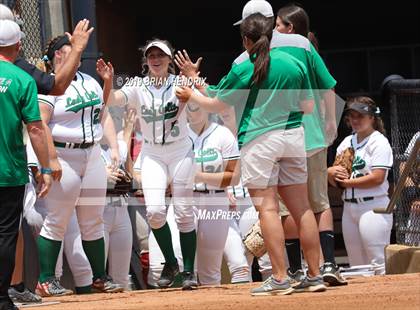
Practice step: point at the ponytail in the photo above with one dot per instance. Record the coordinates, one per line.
(259, 29)
(314, 40)
(262, 61)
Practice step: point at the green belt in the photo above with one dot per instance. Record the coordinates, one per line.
(69, 145)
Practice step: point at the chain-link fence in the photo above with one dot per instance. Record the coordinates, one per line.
(404, 96)
(28, 15)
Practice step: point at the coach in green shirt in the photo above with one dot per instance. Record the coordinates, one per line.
(18, 103)
(270, 92)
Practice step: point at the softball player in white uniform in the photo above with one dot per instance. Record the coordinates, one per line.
(216, 155)
(74, 122)
(35, 212)
(365, 233)
(166, 157)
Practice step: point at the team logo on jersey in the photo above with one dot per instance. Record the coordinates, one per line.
(207, 155)
(4, 84)
(358, 165)
(165, 111)
(81, 102)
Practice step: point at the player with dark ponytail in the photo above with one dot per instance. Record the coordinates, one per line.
(270, 92)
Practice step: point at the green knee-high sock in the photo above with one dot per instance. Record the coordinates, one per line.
(188, 245)
(48, 251)
(164, 239)
(95, 252)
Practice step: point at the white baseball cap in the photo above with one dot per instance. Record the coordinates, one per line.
(10, 33)
(162, 46)
(256, 6)
(6, 13)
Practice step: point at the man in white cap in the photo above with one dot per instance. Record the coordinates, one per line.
(55, 85)
(19, 103)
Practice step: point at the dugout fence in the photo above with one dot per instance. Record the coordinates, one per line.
(403, 97)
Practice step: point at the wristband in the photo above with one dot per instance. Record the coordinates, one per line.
(46, 171)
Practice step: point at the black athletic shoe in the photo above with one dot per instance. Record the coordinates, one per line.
(167, 277)
(331, 275)
(188, 281)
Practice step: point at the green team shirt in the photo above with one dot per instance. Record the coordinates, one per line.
(319, 77)
(270, 106)
(18, 102)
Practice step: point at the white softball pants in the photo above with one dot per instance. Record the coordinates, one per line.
(35, 213)
(82, 187)
(118, 239)
(366, 233)
(212, 230)
(168, 164)
(234, 253)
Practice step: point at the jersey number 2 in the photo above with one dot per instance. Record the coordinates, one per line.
(96, 113)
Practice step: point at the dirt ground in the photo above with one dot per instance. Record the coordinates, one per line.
(379, 292)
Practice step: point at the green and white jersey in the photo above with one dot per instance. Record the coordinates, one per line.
(374, 152)
(76, 114)
(212, 149)
(320, 80)
(273, 105)
(18, 102)
(162, 117)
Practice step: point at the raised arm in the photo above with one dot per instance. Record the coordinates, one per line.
(110, 136)
(106, 72)
(212, 105)
(191, 70)
(79, 40)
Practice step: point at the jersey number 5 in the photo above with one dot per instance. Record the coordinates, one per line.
(174, 129)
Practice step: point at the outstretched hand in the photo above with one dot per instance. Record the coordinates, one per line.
(183, 93)
(105, 70)
(185, 64)
(81, 34)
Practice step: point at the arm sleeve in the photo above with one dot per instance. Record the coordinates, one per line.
(48, 100)
(130, 93)
(324, 78)
(29, 103)
(306, 93)
(343, 145)
(381, 155)
(231, 90)
(230, 150)
(44, 81)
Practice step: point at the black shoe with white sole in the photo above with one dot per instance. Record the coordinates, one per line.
(167, 277)
(331, 275)
(188, 281)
